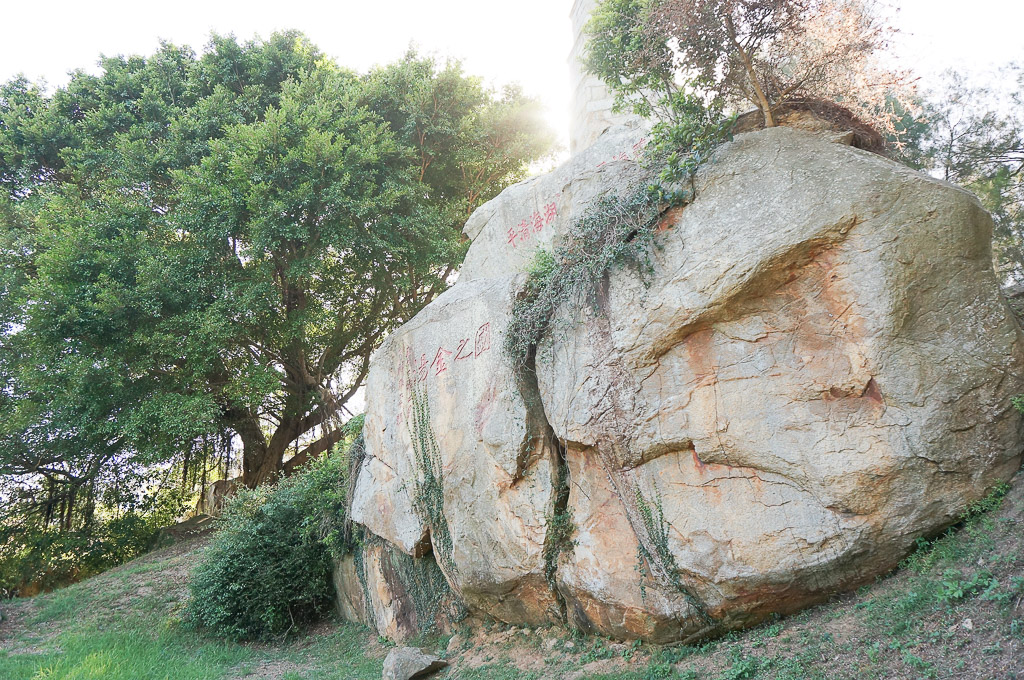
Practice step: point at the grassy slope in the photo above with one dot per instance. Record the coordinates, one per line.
(956, 610)
(122, 625)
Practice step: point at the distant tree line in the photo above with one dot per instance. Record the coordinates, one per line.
(972, 134)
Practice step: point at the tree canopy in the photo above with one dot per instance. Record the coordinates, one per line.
(201, 246)
(657, 54)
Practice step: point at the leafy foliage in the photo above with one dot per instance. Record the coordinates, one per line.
(467, 143)
(682, 147)
(652, 514)
(201, 249)
(560, 525)
(733, 52)
(954, 587)
(268, 569)
(37, 559)
(642, 74)
(429, 481)
(69, 535)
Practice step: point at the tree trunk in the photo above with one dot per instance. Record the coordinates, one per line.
(258, 466)
(313, 451)
(263, 459)
(748, 65)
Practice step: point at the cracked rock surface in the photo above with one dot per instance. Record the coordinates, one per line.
(817, 372)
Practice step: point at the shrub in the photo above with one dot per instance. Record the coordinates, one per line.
(268, 569)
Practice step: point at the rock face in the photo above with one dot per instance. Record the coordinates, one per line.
(459, 458)
(817, 372)
(215, 497)
(397, 595)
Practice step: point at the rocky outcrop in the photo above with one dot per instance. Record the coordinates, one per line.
(456, 463)
(817, 372)
(216, 496)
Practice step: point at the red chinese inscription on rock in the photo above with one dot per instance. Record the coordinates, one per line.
(418, 371)
(531, 226)
(415, 371)
(440, 363)
(483, 339)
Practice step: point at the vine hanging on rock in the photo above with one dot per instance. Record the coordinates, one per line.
(429, 482)
(615, 231)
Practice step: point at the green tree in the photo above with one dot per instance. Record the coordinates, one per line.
(973, 135)
(100, 346)
(195, 246)
(688, 63)
(467, 142)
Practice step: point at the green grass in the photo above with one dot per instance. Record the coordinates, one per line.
(123, 625)
(504, 670)
(92, 652)
(946, 571)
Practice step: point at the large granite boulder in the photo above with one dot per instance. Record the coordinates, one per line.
(457, 462)
(459, 458)
(817, 372)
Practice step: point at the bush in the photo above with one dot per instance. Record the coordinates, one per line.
(268, 569)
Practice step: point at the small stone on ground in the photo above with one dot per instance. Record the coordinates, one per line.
(404, 663)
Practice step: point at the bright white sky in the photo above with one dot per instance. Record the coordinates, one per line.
(525, 40)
